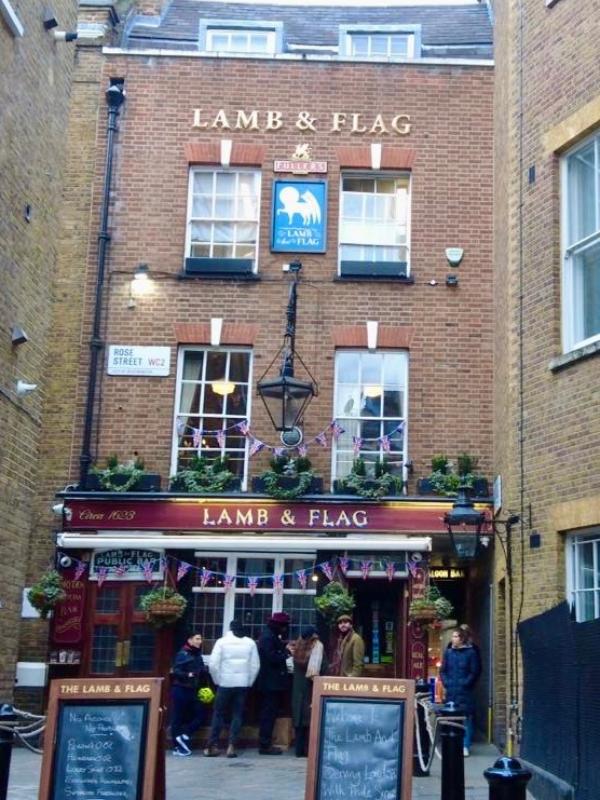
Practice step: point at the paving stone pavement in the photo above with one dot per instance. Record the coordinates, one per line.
(251, 777)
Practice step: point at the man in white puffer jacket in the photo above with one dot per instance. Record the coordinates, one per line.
(234, 665)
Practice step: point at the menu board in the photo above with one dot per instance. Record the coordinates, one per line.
(361, 739)
(361, 749)
(103, 740)
(99, 751)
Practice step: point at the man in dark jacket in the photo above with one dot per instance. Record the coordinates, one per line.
(189, 671)
(273, 679)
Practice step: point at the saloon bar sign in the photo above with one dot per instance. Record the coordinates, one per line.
(241, 120)
(207, 514)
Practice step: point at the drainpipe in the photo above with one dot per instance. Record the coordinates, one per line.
(115, 97)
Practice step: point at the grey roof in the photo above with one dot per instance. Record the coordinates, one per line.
(465, 29)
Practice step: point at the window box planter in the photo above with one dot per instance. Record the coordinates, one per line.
(218, 266)
(150, 482)
(288, 483)
(340, 487)
(177, 485)
(480, 486)
(374, 269)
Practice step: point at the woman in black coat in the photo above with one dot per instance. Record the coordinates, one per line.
(459, 673)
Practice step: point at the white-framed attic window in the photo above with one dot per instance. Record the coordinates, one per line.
(238, 37)
(380, 42)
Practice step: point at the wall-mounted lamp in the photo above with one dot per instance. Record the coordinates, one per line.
(464, 524)
(18, 335)
(454, 255)
(142, 272)
(139, 285)
(24, 388)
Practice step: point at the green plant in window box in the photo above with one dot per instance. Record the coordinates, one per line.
(430, 608)
(120, 477)
(444, 479)
(163, 606)
(288, 478)
(380, 484)
(334, 600)
(204, 477)
(47, 592)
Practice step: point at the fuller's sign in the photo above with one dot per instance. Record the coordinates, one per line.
(211, 515)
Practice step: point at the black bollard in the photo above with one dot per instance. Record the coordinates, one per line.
(453, 764)
(507, 779)
(7, 714)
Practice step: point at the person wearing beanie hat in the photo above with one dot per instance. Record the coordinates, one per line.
(349, 655)
(273, 679)
(187, 675)
(234, 665)
(309, 660)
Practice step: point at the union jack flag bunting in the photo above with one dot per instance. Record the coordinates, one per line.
(182, 570)
(321, 439)
(336, 430)
(243, 427)
(356, 444)
(102, 575)
(147, 570)
(196, 437)
(302, 578)
(390, 570)
(228, 582)
(220, 438)
(365, 568)
(302, 450)
(255, 447)
(344, 563)
(205, 576)
(79, 570)
(252, 585)
(327, 570)
(278, 583)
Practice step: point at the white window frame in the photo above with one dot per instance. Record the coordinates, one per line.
(574, 592)
(212, 221)
(412, 32)
(277, 597)
(371, 175)
(232, 27)
(179, 384)
(572, 339)
(230, 33)
(404, 354)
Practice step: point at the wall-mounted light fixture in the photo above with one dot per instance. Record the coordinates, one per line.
(24, 388)
(285, 396)
(18, 336)
(64, 36)
(464, 524)
(140, 284)
(454, 255)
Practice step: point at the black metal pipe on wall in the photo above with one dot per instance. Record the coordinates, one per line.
(115, 97)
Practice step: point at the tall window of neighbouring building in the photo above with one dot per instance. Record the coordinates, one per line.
(583, 566)
(222, 226)
(581, 244)
(370, 405)
(374, 226)
(213, 397)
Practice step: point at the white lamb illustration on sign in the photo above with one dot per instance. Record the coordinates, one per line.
(306, 205)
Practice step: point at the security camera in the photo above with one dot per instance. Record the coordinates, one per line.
(58, 509)
(65, 561)
(64, 36)
(24, 388)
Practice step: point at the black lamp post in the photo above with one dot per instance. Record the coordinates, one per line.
(464, 524)
(285, 396)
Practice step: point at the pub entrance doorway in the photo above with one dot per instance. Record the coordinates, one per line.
(379, 618)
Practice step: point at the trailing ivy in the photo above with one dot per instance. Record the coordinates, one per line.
(134, 470)
(288, 478)
(383, 483)
(204, 477)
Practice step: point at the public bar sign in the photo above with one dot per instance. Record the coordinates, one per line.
(127, 359)
(210, 515)
(361, 739)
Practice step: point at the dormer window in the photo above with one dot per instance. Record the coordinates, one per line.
(375, 42)
(239, 38)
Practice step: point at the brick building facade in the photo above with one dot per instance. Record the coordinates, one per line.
(400, 148)
(35, 85)
(547, 417)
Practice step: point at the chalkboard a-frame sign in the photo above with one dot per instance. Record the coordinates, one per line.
(361, 739)
(102, 739)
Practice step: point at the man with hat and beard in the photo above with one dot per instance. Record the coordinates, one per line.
(273, 679)
(349, 656)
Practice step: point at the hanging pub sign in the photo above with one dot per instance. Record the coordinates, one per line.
(361, 739)
(103, 740)
(66, 626)
(132, 565)
(299, 216)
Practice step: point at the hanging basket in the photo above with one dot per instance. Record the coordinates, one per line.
(163, 606)
(424, 614)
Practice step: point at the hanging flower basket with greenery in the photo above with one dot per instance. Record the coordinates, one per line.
(288, 478)
(381, 484)
(430, 608)
(163, 606)
(205, 477)
(117, 476)
(47, 592)
(334, 600)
